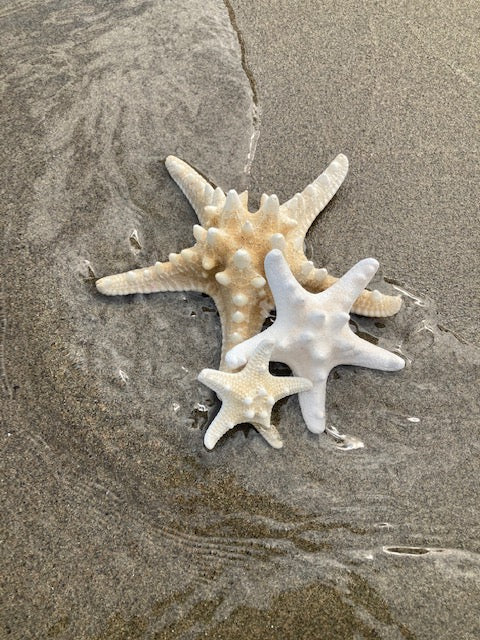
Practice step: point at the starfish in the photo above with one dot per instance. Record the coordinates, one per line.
(249, 395)
(312, 333)
(226, 262)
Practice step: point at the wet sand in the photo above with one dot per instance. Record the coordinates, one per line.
(117, 522)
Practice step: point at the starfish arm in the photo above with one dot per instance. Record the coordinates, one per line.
(312, 404)
(305, 207)
(239, 354)
(347, 288)
(197, 190)
(260, 358)
(285, 288)
(225, 420)
(215, 380)
(369, 303)
(374, 304)
(288, 385)
(162, 276)
(366, 354)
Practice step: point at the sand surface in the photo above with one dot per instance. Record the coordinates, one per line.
(117, 523)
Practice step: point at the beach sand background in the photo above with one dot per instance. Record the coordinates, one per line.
(116, 522)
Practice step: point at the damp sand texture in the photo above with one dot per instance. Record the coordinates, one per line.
(117, 523)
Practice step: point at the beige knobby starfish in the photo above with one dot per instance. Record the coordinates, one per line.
(249, 395)
(226, 262)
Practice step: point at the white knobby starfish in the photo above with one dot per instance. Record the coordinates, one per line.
(226, 262)
(312, 333)
(249, 395)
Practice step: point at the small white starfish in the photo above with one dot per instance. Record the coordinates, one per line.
(312, 333)
(249, 395)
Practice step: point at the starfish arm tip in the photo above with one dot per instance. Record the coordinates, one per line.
(312, 404)
(116, 285)
(391, 361)
(366, 354)
(396, 304)
(102, 285)
(340, 165)
(354, 281)
(174, 165)
(366, 267)
(221, 424)
(390, 305)
(273, 257)
(280, 277)
(315, 424)
(373, 262)
(213, 379)
(398, 362)
(209, 441)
